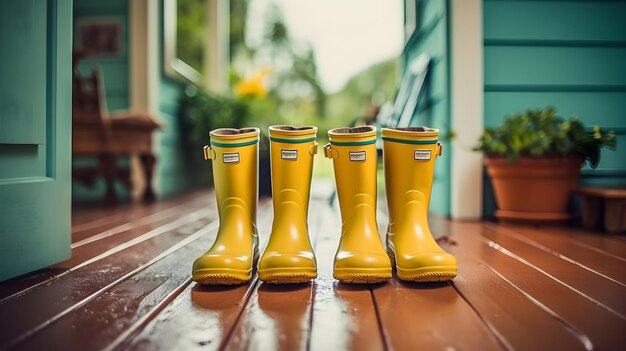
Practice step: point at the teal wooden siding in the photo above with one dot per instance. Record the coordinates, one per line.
(432, 37)
(568, 54)
(115, 75)
(115, 70)
(174, 173)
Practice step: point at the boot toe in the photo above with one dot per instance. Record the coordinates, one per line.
(347, 260)
(273, 260)
(427, 259)
(362, 267)
(427, 267)
(222, 263)
(284, 268)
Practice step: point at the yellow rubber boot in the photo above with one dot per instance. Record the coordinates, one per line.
(361, 257)
(289, 257)
(409, 157)
(235, 157)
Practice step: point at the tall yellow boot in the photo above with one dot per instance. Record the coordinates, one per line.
(361, 257)
(235, 157)
(289, 256)
(409, 157)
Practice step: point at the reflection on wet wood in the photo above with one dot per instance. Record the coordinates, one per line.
(344, 316)
(202, 316)
(128, 286)
(276, 316)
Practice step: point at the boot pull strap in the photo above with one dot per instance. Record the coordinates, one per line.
(209, 154)
(313, 149)
(329, 152)
(439, 149)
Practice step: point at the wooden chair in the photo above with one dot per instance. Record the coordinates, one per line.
(109, 137)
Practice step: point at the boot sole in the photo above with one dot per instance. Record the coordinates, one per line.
(221, 276)
(362, 275)
(288, 275)
(428, 274)
(424, 274)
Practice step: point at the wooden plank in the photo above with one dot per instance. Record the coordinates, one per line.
(344, 315)
(566, 247)
(92, 235)
(47, 301)
(570, 240)
(275, 318)
(129, 216)
(92, 251)
(515, 320)
(200, 317)
(109, 313)
(85, 218)
(603, 289)
(593, 324)
(431, 315)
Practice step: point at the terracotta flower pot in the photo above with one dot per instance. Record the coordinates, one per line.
(534, 189)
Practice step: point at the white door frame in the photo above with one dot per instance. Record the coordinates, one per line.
(144, 74)
(467, 107)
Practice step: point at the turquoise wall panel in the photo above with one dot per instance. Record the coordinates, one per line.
(555, 20)
(568, 54)
(580, 68)
(115, 70)
(600, 107)
(431, 37)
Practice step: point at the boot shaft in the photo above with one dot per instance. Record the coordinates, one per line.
(353, 151)
(292, 150)
(409, 160)
(235, 158)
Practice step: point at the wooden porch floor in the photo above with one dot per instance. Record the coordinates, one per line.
(128, 286)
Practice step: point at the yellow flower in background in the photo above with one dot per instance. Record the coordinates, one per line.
(253, 86)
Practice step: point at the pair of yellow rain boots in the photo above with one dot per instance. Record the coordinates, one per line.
(361, 258)
(289, 256)
(409, 161)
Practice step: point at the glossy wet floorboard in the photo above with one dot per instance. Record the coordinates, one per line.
(128, 286)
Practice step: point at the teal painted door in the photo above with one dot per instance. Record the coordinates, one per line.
(35, 134)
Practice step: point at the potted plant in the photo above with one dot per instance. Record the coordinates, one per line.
(534, 160)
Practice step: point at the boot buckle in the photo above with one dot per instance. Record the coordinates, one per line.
(209, 154)
(329, 152)
(313, 149)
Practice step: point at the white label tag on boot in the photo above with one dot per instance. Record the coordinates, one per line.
(289, 154)
(357, 156)
(230, 157)
(422, 155)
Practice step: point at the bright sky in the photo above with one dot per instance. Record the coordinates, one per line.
(347, 35)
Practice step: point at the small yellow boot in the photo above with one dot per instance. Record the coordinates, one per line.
(361, 257)
(235, 157)
(409, 157)
(289, 257)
